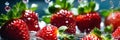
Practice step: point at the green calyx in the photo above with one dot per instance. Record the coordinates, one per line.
(105, 13)
(107, 33)
(14, 13)
(60, 4)
(96, 31)
(63, 36)
(46, 18)
(86, 7)
(108, 29)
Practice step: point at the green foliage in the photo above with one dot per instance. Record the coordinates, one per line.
(96, 31)
(88, 7)
(34, 7)
(108, 29)
(63, 4)
(14, 13)
(63, 36)
(46, 18)
(105, 13)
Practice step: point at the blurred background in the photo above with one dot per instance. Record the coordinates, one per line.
(103, 4)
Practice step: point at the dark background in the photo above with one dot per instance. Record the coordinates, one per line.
(42, 5)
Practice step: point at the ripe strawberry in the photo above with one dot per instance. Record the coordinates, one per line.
(15, 29)
(88, 21)
(31, 18)
(116, 33)
(94, 35)
(64, 18)
(88, 17)
(91, 37)
(48, 32)
(114, 19)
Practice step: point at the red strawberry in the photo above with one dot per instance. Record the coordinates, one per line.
(116, 33)
(88, 17)
(94, 35)
(91, 37)
(48, 33)
(15, 30)
(64, 18)
(114, 19)
(31, 18)
(88, 21)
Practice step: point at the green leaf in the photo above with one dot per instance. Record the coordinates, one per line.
(58, 1)
(16, 10)
(70, 1)
(91, 5)
(68, 6)
(106, 37)
(46, 18)
(62, 29)
(117, 9)
(10, 14)
(71, 37)
(3, 19)
(54, 8)
(80, 10)
(34, 7)
(108, 29)
(96, 31)
(105, 13)
(65, 4)
(14, 13)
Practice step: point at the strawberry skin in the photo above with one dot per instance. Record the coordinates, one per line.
(91, 37)
(114, 19)
(15, 30)
(64, 18)
(48, 33)
(116, 33)
(31, 18)
(87, 22)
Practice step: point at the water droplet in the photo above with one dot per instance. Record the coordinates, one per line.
(34, 5)
(36, 26)
(7, 8)
(47, 1)
(6, 3)
(25, 1)
(85, 32)
(29, 18)
(66, 21)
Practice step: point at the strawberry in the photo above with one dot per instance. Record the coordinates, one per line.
(88, 21)
(12, 27)
(94, 35)
(91, 37)
(60, 15)
(15, 29)
(114, 19)
(31, 18)
(48, 32)
(116, 33)
(64, 18)
(88, 18)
